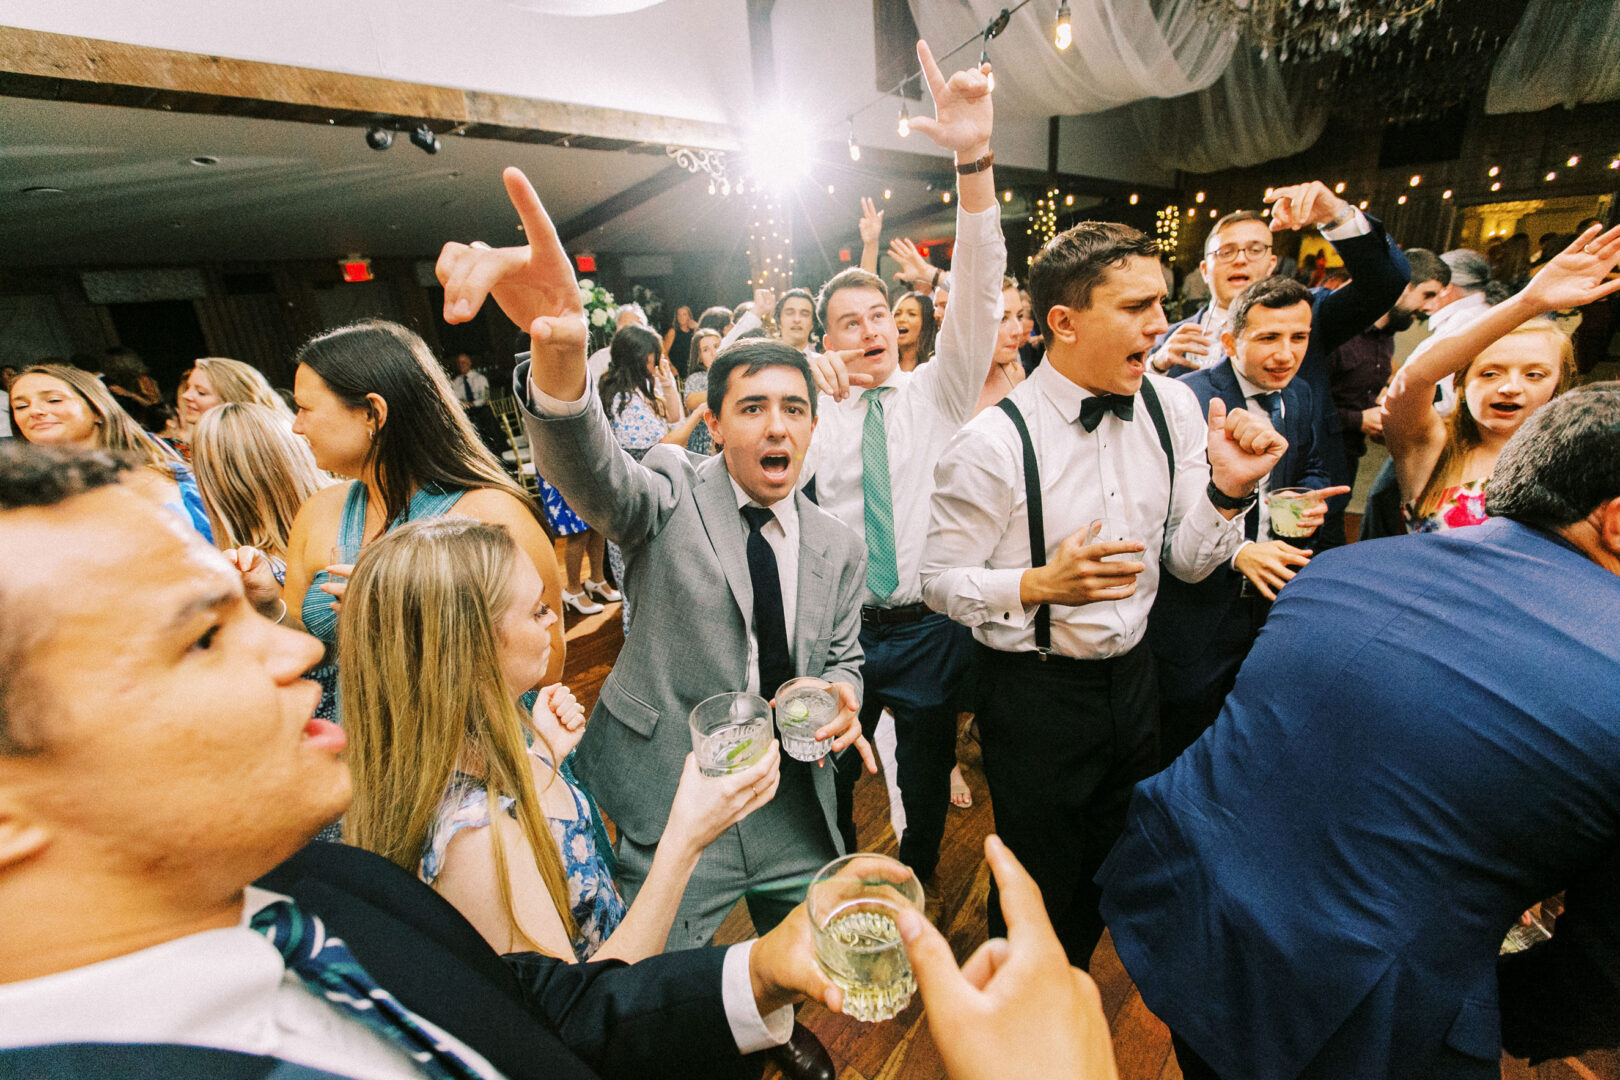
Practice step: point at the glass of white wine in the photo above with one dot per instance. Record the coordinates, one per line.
(852, 903)
(730, 732)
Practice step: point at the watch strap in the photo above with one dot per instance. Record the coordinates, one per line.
(1223, 501)
(976, 166)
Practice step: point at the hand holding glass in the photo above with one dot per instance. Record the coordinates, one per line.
(803, 707)
(852, 903)
(730, 732)
(1287, 506)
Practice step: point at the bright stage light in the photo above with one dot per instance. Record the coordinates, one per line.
(779, 152)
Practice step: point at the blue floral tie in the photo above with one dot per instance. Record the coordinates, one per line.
(327, 967)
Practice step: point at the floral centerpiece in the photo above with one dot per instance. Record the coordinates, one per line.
(599, 313)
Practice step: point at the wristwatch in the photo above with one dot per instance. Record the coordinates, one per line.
(977, 166)
(1223, 501)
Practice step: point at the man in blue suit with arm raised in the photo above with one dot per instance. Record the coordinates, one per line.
(1423, 743)
(1201, 631)
(1238, 254)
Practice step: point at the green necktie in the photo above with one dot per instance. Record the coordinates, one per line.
(882, 576)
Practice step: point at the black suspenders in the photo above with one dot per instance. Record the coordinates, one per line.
(1033, 503)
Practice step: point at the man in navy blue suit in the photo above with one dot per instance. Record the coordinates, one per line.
(1238, 253)
(1201, 631)
(1423, 743)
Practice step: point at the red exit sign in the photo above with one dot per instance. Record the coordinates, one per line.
(356, 269)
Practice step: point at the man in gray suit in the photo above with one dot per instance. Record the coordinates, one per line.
(700, 535)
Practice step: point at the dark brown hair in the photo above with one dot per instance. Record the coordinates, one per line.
(852, 277)
(1073, 262)
(1271, 292)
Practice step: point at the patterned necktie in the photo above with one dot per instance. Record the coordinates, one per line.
(770, 624)
(1092, 409)
(882, 574)
(328, 968)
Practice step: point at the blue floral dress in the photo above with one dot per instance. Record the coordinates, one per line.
(639, 428)
(593, 898)
(700, 441)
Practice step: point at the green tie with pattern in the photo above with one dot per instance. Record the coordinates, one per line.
(882, 576)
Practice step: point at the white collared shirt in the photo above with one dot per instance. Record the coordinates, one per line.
(925, 409)
(229, 989)
(477, 383)
(1251, 395)
(782, 533)
(978, 535)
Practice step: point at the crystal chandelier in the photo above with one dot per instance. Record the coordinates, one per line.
(1301, 30)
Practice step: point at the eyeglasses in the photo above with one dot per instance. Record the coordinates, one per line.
(1227, 252)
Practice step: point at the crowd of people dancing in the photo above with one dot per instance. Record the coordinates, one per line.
(1308, 785)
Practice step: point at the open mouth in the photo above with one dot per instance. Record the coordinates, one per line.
(1238, 281)
(324, 734)
(775, 466)
(1505, 409)
(1137, 361)
(874, 353)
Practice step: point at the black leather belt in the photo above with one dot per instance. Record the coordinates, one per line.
(895, 616)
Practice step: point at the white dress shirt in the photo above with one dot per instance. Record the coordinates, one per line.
(927, 406)
(782, 533)
(477, 383)
(1251, 400)
(1448, 321)
(978, 536)
(229, 989)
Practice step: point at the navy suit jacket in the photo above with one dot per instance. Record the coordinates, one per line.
(1378, 273)
(1424, 742)
(533, 1017)
(1200, 632)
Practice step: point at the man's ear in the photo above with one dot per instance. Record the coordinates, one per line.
(1608, 526)
(713, 423)
(1060, 324)
(1229, 343)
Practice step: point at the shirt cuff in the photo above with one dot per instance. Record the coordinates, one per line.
(1240, 547)
(1003, 596)
(546, 405)
(1358, 225)
(752, 1031)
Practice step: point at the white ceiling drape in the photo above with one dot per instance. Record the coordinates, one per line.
(1563, 52)
(1122, 51)
(1250, 115)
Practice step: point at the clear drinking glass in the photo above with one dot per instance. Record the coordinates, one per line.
(852, 903)
(804, 706)
(730, 732)
(1285, 505)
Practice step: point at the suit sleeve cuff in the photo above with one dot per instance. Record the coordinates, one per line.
(1358, 225)
(752, 1031)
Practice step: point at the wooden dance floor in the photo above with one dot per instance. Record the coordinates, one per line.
(902, 1049)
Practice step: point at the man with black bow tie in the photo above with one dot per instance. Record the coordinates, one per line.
(1052, 516)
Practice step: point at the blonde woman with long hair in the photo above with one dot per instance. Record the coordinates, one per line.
(216, 380)
(443, 626)
(254, 474)
(55, 405)
(1510, 362)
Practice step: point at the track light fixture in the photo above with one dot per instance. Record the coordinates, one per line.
(423, 136)
(379, 138)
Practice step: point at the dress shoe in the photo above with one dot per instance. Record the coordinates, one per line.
(581, 602)
(803, 1057)
(603, 591)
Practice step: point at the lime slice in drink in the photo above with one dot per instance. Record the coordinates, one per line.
(798, 709)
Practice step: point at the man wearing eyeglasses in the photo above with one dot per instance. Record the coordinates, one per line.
(1238, 253)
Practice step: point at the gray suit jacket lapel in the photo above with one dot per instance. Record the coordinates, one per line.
(717, 506)
(816, 586)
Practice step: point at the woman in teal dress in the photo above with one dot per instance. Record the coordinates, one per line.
(376, 407)
(443, 626)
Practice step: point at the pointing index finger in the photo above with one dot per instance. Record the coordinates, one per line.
(936, 81)
(537, 227)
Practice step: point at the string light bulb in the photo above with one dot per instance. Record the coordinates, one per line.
(854, 147)
(1006, 196)
(1198, 197)
(888, 193)
(1574, 160)
(1338, 189)
(1415, 181)
(1068, 200)
(1401, 201)
(1495, 170)
(904, 126)
(1446, 194)
(1551, 176)
(945, 197)
(1134, 198)
(1063, 33)
(1497, 186)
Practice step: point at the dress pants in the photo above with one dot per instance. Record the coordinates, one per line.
(1064, 743)
(1193, 1067)
(767, 859)
(1191, 696)
(914, 670)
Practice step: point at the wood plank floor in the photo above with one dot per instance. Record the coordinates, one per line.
(902, 1049)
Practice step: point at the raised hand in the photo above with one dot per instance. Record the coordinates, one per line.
(963, 117)
(533, 284)
(1242, 449)
(1016, 1008)
(1185, 348)
(871, 223)
(1576, 275)
(913, 267)
(1299, 206)
(833, 376)
(765, 305)
(559, 718)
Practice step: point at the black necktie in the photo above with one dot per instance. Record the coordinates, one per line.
(770, 625)
(1271, 401)
(1092, 409)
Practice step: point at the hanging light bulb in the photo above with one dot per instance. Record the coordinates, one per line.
(1134, 199)
(1063, 33)
(854, 147)
(904, 127)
